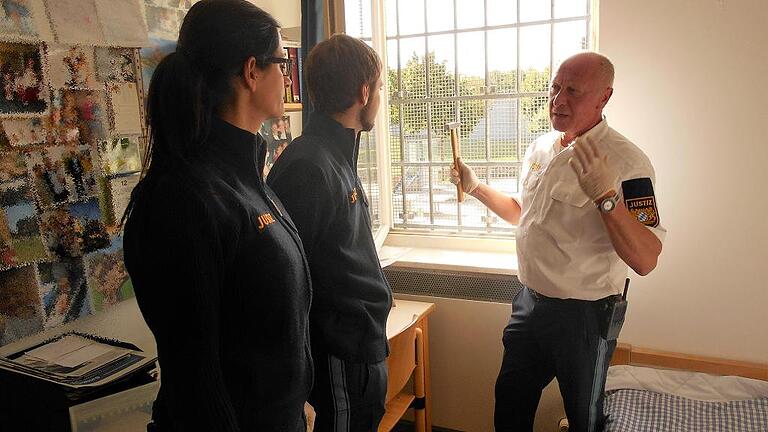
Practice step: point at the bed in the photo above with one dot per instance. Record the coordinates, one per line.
(651, 391)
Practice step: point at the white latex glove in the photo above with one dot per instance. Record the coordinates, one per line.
(596, 176)
(468, 179)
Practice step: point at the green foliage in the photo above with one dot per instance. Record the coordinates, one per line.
(443, 84)
(535, 109)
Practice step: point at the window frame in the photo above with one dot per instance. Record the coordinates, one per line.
(481, 241)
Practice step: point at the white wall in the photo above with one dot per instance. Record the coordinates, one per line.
(287, 12)
(691, 91)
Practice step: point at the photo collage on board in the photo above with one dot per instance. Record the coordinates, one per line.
(71, 142)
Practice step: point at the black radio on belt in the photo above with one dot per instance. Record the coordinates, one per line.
(615, 311)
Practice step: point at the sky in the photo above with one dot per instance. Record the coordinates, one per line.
(502, 44)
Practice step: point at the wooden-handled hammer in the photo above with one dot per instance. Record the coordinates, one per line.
(453, 128)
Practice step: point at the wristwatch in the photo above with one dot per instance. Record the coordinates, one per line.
(608, 204)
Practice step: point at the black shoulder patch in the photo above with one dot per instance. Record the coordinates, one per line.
(640, 200)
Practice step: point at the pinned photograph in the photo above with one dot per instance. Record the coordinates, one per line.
(63, 291)
(62, 174)
(20, 308)
(277, 134)
(20, 240)
(152, 55)
(164, 23)
(115, 64)
(120, 155)
(62, 237)
(94, 233)
(75, 22)
(122, 22)
(119, 194)
(108, 280)
(79, 116)
(124, 100)
(24, 92)
(71, 67)
(79, 167)
(13, 167)
(49, 177)
(22, 132)
(16, 20)
(75, 229)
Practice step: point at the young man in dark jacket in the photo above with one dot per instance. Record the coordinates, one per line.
(316, 179)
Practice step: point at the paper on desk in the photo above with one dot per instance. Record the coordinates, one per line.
(77, 362)
(70, 351)
(83, 355)
(51, 351)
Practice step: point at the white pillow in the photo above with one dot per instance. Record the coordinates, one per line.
(691, 385)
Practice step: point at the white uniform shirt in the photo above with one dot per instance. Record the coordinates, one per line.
(563, 247)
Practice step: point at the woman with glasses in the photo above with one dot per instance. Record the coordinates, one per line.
(217, 266)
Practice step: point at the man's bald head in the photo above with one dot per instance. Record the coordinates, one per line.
(580, 89)
(593, 64)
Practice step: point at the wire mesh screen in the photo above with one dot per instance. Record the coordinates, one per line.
(367, 171)
(357, 16)
(485, 63)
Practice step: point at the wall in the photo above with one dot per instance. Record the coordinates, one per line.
(690, 92)
(287, 13)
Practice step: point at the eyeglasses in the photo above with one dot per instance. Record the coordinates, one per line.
(285, 63)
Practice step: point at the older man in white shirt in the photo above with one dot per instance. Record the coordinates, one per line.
(587, 210)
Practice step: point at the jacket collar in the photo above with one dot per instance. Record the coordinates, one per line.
(344, 141)
(237, 147)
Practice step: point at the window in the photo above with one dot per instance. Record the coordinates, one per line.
(485, 63)
(358, 14)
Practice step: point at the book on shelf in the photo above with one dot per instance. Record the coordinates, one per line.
(288, 97)
(293, 54)
(293, 92)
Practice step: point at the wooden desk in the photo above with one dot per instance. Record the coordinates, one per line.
(408, 334)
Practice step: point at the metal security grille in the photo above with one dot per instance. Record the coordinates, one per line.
(457, 285)
(367, 170)
(486, 63)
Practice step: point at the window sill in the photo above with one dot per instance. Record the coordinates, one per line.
(449, 259)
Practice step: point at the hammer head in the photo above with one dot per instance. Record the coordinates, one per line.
(452, 125)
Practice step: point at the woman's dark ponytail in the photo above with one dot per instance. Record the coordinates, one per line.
(189, 85)
(179, 111)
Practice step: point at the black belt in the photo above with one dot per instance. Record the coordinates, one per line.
(542, 298)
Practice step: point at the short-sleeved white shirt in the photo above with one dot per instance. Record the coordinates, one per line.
(563, 247)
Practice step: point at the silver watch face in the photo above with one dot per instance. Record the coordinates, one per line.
(607, 205)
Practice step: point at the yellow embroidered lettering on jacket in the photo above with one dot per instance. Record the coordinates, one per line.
(264, 220)
(353, 196)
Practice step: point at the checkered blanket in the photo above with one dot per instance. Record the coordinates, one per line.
(644, 411)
